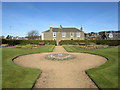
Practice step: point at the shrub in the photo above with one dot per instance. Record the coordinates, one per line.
(91, 42)
(25, 42)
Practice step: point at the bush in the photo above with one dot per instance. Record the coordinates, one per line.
(91, 42)
(108, 42)
(62, 42)
(25, 42)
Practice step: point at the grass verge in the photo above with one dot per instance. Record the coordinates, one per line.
(106, 75)
(14, 76)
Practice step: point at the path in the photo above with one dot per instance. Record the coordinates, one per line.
(62, 74)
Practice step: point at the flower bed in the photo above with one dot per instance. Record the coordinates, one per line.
(28, 46)
(87, 47)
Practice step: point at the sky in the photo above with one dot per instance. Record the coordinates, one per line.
(18, 18)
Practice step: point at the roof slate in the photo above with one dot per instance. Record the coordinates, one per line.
(64, 30)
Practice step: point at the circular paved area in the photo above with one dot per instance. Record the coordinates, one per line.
(62, 74)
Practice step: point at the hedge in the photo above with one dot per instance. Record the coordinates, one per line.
(98, 42)
(62, 42)
(24, 42)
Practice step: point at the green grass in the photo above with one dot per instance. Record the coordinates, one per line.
(15, 76)
(106, 75)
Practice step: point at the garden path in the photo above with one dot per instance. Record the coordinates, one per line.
(62, 74)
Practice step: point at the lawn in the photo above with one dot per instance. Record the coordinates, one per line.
(15, 76)
(106, 75)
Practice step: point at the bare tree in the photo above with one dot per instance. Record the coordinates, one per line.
(33, 34)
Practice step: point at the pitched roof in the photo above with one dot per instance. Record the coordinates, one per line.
(64, 30)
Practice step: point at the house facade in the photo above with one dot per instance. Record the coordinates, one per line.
(110, 34)
(113, 35)
(61, 33)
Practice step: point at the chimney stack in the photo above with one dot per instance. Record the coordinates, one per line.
(60, 26)
(51, 28)
(81, 28)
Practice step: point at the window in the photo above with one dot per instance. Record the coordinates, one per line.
(63, 34)
(54, 34)
(54, 38)
(78, 34)
(72, 34)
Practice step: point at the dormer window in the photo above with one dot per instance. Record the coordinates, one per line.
(54, 34)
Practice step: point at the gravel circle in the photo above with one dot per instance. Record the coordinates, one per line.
(64, 74)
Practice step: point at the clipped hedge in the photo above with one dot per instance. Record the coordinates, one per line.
(24, 42)
(98, 42)
(62, 42)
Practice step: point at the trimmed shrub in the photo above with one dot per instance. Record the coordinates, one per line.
(62, 42)
(25, 42)
(91, 42)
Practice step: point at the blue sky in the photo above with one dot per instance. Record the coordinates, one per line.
(21, 17)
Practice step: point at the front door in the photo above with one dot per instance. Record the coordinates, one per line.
(57, 43)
